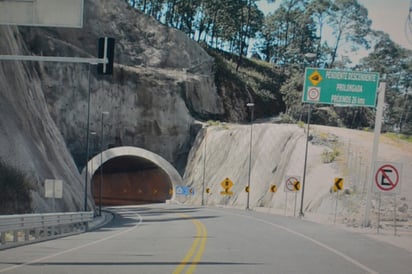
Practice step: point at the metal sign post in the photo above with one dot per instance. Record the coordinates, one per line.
(296, 198)
(379, 213)
(394, 215)
(292, 184)
(378, 125)
(386, 178)
(339, 88)
(286, 202)
(336, 206)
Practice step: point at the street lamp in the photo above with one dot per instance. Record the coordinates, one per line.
(86, 179)
(251, 106)
(93, 134)
(301, 214)
(101, 161)
(204, 167)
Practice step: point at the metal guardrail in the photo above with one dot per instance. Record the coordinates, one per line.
(28, 228)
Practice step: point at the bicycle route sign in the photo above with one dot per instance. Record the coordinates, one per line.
(387, 177)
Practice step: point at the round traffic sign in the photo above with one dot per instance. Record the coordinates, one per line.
(313, 94)
(387, 177)
(290, 183)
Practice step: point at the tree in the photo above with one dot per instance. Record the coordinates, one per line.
(394, 64)
(251, 19)
(350, 23)
(319, 10)
(292, 95)
(288, 34)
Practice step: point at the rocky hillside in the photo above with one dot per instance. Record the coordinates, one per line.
(162, 83)
(29, 138)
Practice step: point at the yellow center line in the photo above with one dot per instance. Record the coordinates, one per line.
(195, 252)
(201, 248)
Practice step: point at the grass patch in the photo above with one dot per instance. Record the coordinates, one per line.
(328, 156)
(397, 137)
(217, 124)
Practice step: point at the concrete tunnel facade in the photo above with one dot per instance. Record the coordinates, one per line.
(130, 176)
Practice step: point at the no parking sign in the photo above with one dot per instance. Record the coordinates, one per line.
(387, 177)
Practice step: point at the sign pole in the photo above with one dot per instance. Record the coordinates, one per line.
(304, 166)
(378, 125)
(294, 210)
(394, 215)
(54, 196)
(336, 206)
(379, 212)
(286, 203)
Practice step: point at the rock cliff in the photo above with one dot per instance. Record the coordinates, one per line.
(29, 138)
(162, 82)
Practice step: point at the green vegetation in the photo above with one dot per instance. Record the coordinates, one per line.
(217, 123)
(396, 136)
(329, 156)
(286, 41)
(14, 190)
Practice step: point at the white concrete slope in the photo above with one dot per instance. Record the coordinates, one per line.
(278, 152)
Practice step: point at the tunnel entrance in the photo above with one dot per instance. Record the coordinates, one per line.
(129, 180)
(131, 176)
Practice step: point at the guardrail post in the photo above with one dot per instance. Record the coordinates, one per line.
(26, 234)
(3, 238)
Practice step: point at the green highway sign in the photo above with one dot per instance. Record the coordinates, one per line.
(340, 87)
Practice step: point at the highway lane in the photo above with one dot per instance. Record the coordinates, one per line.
(179, 239)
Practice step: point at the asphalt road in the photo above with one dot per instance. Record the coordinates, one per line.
(179, 239)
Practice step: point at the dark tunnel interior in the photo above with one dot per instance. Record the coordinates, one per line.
(130, 180)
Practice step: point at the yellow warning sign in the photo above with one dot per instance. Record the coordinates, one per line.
(247, 189)
(273, 188)
(315, 78)
(296, 185)
(227, 185)
(338, 185)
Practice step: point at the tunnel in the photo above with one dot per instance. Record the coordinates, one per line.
(131, 176)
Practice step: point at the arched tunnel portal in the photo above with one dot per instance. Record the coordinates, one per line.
(130, 176)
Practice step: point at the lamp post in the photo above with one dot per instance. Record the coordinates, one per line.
(86, 179)
(94, 136)
(301, 214)
(251, 106)
(204, 168)
(101, 161)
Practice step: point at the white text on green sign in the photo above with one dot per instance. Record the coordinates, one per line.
(340, 87)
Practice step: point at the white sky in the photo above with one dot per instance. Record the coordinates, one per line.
(386, 15)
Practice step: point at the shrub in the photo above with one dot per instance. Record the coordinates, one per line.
(329, 156)
(15, 190)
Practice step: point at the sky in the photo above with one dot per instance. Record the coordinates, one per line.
(386, 15)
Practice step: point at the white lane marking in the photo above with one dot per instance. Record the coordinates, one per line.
(78, 247)
(331, 249)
